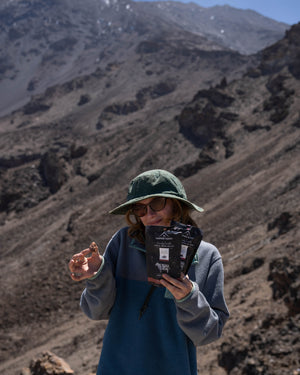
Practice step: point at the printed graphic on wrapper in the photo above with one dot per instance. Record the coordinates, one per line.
(170, 250)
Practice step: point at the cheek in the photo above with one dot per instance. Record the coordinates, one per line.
(143, 220)
(168, 213)
(171, 210)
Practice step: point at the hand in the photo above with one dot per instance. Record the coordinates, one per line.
(84, 264)
(179, 288)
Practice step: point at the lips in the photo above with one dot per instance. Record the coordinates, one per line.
(156, 222)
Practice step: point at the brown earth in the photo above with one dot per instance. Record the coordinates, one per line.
(67, 158)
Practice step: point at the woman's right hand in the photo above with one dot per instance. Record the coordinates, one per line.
(84, 264)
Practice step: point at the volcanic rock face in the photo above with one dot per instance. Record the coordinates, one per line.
(51, 42)
(156, 103)
(206, 119)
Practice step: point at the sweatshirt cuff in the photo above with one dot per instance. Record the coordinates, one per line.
(99, 270)
(187, 296)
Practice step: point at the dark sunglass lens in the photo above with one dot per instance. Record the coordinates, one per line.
(158, 204)
(139, 210)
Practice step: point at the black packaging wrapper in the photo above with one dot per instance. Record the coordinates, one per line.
(170, 250)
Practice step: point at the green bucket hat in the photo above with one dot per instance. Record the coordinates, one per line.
(154, 183)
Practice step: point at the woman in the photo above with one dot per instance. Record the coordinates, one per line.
(151, 333)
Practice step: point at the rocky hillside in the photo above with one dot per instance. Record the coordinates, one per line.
(51, 42)
(245, 31)
(226, 124)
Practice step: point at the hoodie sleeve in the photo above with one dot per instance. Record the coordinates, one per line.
(99, 294)
(203, 314)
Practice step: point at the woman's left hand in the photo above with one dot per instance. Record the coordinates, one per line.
(180, 288)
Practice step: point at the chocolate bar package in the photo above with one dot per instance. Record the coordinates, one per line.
(163, 247)
(170, 250)
(191, 238)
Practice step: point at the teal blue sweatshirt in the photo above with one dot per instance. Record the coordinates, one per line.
(164, 340)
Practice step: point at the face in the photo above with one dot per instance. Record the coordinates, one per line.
(162, 217)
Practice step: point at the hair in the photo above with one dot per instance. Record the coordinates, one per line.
(136, 230)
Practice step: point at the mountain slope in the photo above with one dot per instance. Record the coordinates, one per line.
(50, 42)
(245, 31)
(68, 155)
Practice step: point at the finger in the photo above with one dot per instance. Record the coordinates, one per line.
(169, 286)
(172, 280)
(80, 258)
(77, 256)
(90, 254)
(182, 285)
(73, 264)
(75, 269)
(76, 276)
(176, 292)
(70, 264)
(185, 279)
(180, 291)
(85, 252)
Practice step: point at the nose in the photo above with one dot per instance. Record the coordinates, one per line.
(150, 211)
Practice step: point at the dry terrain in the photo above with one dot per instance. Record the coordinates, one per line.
(226, 124)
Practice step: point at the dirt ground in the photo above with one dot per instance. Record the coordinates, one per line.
(60, 175)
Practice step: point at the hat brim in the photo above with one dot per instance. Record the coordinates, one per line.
(123, 208)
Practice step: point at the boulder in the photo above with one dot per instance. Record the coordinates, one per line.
(48, 364)
(53, 171)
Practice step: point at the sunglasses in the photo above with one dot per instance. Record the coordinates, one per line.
(157, 204)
